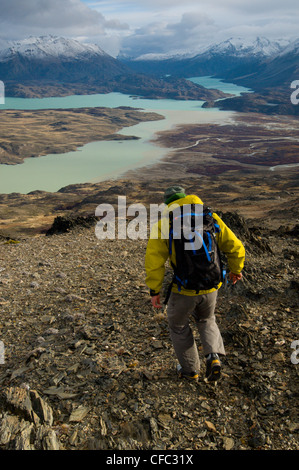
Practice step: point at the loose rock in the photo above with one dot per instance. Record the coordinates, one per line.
(88, 364)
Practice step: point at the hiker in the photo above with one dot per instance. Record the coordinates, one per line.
(198, 302)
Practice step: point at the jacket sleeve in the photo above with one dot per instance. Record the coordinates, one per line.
(231, 246)
(155, 259)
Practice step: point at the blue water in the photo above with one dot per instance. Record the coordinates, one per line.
(98, 161)
(109, 100)
(113, 100)
(210, 82)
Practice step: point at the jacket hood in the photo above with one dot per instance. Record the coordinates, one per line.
(190, 199)
(164, 222)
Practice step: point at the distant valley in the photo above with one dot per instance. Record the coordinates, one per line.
(267, 67)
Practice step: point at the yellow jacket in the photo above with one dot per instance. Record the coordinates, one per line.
(157, 252)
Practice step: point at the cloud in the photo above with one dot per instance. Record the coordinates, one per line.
(138, 27)
(255, 7)
(252, 6)
(19, 18)
(161, 37)
(189, 25)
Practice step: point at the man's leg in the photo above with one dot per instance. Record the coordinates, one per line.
(179, 309)
(204, 315)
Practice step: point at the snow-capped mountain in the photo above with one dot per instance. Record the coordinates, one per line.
(54, 66)
(279, 70)
(235, 59)
(58, 59)
(49, 47)
(238, 47)
(291, 48)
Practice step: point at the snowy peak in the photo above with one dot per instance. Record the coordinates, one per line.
(239, 47)
(50, 47)
(259, 47)
(57, 59)
(292, 48)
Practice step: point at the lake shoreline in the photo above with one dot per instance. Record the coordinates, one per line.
(225, 157)
(83, 151)
(229, 165)
(252, 190)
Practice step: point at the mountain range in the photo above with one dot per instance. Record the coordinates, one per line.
(256, 63)
(238, 47)
(53, 66)
(266, 67)
(56, 58)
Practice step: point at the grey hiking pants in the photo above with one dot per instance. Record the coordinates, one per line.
(202, 308)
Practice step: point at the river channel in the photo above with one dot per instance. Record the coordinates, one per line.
(98, 161)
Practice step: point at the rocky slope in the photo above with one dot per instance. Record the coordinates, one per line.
(89, 365)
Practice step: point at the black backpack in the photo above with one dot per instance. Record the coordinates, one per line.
(198, 260)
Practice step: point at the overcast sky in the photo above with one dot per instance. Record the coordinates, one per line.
(149, 26)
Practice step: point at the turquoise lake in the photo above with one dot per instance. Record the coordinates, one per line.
(98, 161)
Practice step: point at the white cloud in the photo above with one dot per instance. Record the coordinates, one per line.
(19, 18)
(142, 26)
(188, 25)
(192, 29)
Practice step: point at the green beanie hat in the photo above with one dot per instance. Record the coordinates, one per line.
(173, 193)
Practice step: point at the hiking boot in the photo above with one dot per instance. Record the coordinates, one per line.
(213, 370)
(193, 376)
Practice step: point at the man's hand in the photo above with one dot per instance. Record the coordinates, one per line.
(234, 277)
(155, 299)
